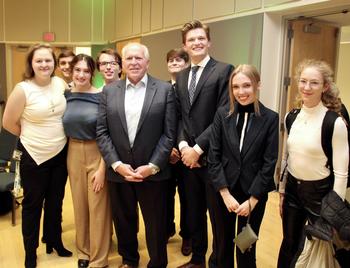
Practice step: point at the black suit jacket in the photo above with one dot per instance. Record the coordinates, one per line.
(254, 167)
(155, 134)
(211, 93)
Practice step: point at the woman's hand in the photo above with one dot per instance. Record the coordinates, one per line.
(230, 202)
(281, 204)
(98, 181)
(243, 209)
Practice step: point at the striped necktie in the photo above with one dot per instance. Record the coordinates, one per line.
(192, 87)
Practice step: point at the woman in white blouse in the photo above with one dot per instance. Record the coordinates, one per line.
(34, 113)
(309, 177)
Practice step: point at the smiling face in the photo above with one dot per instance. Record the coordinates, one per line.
(311, 86)
(197, 44)
(243, 89)
(43, 63)
(81, 75)
(176, 65)
(135, 63)
(64, 67)
(109, 67)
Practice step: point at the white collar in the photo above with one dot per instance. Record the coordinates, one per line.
(142, 82)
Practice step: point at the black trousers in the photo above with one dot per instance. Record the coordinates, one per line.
(152, 198)
(195, 190)
(224, 226)
(42, 182)
(302, 202)
(177, 181)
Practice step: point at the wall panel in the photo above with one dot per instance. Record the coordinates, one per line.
(277, 2)
(81, 13)
(60, 19)
(123, 15)
(146, 16)
(204, 9)
(156, 14)
(243, 41)
(136, 17)
(109, 20)
(25, 23)
(97, 24)
(177, 12)
(2, 38)
(244, 5)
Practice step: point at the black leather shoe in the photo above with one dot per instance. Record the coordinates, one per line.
(83, 263)
(186, 247)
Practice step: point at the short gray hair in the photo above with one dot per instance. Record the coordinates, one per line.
(134, 44)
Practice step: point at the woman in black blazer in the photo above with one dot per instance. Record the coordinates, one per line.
(242, 157)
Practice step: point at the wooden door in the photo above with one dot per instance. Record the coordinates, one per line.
(310, 39)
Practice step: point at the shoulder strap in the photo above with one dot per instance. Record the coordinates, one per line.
(290, 118)
(327, 135)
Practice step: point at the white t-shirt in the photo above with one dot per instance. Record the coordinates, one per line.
(42, 133)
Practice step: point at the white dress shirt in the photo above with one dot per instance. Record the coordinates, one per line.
(134, 97)
(133, 103)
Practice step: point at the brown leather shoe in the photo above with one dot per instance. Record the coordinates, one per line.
(124, 265)
(186, 247)
(192, 265)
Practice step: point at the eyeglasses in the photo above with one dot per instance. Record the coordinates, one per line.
(312, 83)
(105, 63)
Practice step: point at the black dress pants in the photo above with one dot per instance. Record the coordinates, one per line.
(224, 225)
(152, 198)
(42, 182)
(302, 202)
(177, 181)
(195, 190)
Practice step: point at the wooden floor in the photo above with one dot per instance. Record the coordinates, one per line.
(12, 252)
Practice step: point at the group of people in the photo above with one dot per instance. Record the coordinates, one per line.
(133, 141)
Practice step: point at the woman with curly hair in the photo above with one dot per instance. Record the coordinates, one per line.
(309, 177)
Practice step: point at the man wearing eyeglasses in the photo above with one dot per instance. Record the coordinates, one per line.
(109, 64)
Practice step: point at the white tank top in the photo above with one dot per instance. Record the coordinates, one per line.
(42, 133)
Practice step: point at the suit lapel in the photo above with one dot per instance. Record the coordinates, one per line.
(256, 124)
(150, 92)
(208, 69)
(184, 82)
(230, 126)
(120, 99)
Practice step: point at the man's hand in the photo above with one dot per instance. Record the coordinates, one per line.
(174, 156)
(144, 171)
(129, 173)
(190, 157)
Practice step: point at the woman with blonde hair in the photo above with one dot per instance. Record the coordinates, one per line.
(310, 176)
(242, 157)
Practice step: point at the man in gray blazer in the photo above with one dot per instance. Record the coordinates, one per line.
(136, 131)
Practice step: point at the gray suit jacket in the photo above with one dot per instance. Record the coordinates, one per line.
(156, 131)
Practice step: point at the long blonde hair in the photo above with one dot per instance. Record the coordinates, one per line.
(330, 98)
(252, 73)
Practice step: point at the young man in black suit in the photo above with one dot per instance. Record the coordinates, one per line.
(177, 60)
(136, 131)
(200, 90)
